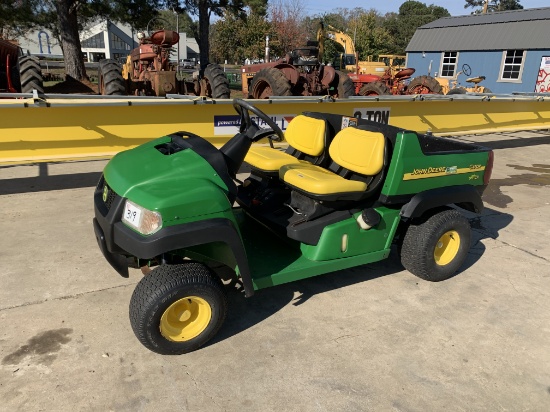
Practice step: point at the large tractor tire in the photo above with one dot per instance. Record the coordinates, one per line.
(110, 81)
(374, 89)
(435, 246)
(424, 85)
(269, 82)
(176, 309)
(30, 75)
(343, 86)
(218, 85)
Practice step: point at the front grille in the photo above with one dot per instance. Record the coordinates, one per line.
(108, 195)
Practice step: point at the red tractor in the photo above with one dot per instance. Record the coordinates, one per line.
(299, 73)
(398, 84)
(19, 73)
(149, 72)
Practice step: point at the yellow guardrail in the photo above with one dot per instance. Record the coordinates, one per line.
(68, 127)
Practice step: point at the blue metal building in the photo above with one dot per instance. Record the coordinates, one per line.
(510, 48)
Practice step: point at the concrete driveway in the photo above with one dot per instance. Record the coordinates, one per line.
(373, 338)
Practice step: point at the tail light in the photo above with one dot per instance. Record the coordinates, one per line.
(489, 168)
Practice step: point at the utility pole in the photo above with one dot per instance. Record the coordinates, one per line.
(177, 31)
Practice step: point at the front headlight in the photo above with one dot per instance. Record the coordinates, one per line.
(144, 221)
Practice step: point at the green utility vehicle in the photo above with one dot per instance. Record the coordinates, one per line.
(343, 192)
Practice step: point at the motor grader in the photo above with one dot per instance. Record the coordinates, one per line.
(149, 72)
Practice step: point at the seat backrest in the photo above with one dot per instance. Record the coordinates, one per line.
(360, 151)
(307, 135)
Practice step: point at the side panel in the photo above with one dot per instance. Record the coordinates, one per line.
(346, 238)
(411, 171)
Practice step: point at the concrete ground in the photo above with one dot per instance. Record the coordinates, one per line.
(373, 338)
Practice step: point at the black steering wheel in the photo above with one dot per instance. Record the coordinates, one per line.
(466, 69)
(250, 129)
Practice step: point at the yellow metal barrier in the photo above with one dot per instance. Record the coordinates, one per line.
(35, 130)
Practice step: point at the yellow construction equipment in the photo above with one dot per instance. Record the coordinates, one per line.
(35, 130)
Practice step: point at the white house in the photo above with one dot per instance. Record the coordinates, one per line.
(103, 40)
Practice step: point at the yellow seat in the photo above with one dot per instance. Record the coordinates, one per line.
(317, 180)
(304, 134)
(354, 151)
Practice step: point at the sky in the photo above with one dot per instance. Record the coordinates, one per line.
(455, 7)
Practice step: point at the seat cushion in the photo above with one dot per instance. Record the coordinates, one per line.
(319, 181)
(268, 159)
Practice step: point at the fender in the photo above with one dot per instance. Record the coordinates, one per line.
(466, 196)
(180, 237)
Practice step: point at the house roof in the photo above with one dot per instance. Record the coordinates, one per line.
(514, 29)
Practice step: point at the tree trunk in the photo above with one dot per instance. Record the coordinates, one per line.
(70, 40)
(204, 32)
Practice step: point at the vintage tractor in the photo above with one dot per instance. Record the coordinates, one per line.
(454, 87)
(19, 73)
(397, 84)
(299, 73)
(149, 72)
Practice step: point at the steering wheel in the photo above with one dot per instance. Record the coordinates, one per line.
(466, 69)
(250, 129)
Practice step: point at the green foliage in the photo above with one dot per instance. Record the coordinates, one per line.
(235, 39)
(492, 5)
(17, 17)
(412, 14)
(371, 39)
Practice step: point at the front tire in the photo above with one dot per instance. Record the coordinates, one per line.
(176, 309)
(110, 81)
(435, 247)
(218, 85)
(269, 82)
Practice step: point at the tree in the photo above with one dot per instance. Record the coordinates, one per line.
(489, 6)
(16, 18)
(412, 14)
(204, 10)
(288, 31)
(371, 39)
(234, 39)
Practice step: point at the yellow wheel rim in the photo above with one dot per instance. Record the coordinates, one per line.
(447, 247)
(185, 319)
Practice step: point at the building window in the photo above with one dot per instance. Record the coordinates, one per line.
(512, 65)
(94, 42)
(118, 44)
(448, 64)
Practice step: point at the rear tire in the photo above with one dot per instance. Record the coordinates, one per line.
(435, 247)
(374, 89)
(110, 80)
(218, 85)
(269, 82)
(30, 75)
(176, 309)
(343, 85)
(424, 85)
